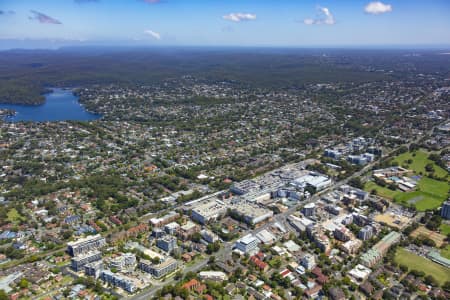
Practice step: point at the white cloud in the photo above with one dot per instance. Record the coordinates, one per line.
(308, 21)
(238, 17)
(377, 8)
(324, 17)
(153, 34)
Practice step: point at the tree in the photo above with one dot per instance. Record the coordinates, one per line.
(446, 286)
(23, 283)
(429, 167)
(356, 182)
(429, 279)
(3, 295)
(403, 268)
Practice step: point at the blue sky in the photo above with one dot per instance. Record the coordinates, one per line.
(295, 23)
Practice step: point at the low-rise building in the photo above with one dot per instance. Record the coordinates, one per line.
(445, 210)
(308, 261)
(209, 236)
(171, 228)
(246, 244)
(167, 243)
(166, 266)
(118, 280)
(78, 262)
(123, 262)
(166, 219)
(85, 245)
(213, 275)
(376, 253)
(352, 246)
(343, 234)
(93, 269)
(365, 233)
(359, 273)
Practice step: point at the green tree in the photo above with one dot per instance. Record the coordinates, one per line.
(3, 295)
(23, 283)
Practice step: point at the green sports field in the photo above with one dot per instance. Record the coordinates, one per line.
(413, 261)
(446, 252)
(430, 194)
(445, 229)
(419, 161)
(381, 191)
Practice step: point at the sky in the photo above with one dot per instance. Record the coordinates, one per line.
(268, 23)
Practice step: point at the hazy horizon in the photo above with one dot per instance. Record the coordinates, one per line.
(234, 23)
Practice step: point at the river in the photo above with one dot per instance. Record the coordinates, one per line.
(60, 105)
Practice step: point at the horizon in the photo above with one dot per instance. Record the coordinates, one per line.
(50, 24)
(117, 47)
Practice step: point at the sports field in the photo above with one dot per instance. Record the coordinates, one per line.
(381, 191)
(444, 228)
(419, 161)
(446, 252)
(413, 261)
(430, 194)
(436, 237)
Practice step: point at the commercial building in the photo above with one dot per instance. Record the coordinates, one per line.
(251, 213)
(313, 179)
(245, 186)
(376, 253)
(300, 224)
(445, 210)
(246, 244)
(118, 280)
(209, 236)
(333, 153)
(343, 234)
(309, 210)
(349, 191)
(308, 262)
(362, 159)
(85, 245)
(166, 266)
(266, 237)
(208, 211)
(77, 263)
(365, 233)
(157, 233)
(167, 243)
(290, 194)
(171, 228)
(188, 230)
(93, 269)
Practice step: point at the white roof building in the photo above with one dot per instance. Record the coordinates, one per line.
(266, 237)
